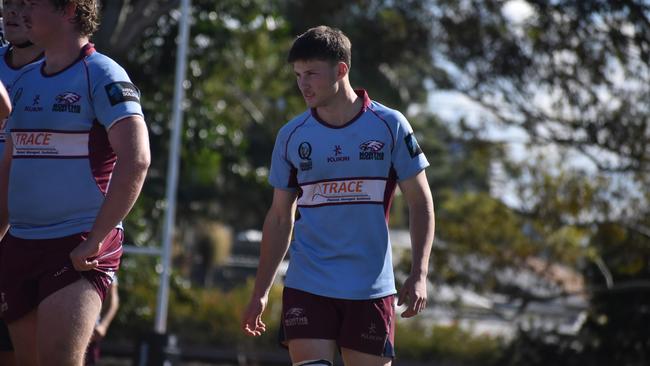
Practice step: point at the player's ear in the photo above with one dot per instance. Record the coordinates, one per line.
(70, 10)
(342, 70)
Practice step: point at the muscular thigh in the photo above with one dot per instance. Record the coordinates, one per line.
(66, 319)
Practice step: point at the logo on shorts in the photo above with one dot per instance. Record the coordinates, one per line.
(61, 271)
(371, 150)
(304, 151)
(371, 334)
(295, 316)
(67, 102)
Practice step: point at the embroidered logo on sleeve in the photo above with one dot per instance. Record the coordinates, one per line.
(122, 91)
(412, 145)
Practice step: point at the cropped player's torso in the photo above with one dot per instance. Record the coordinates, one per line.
(62, 159)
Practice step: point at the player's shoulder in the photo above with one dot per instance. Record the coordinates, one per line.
(3, 51)
(295, 123)
(386, 113)
(392, 118)
(99, 64)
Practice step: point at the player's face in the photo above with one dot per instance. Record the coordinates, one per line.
(42, 20)
(13, 23)
(317, 81)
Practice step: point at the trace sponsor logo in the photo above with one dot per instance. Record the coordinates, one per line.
(351, 190)
(338, 151)
(32, 138)
(36, 105)
(343, 191)
(371, 334)
(34, 143)
(66, 102)
(295, 316)
(304, 151)
(371, 150)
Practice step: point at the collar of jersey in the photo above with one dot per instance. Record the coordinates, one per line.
(366, 103)
(87, 50)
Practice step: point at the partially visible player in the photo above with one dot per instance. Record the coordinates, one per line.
(339, 163)
(109, 310)
(15, 57)
(72, 170)
(18, 54)
(6, 347)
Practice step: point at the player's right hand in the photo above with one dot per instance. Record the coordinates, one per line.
(252, 323)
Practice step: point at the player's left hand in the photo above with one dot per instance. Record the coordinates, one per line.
(414, 294)
(84, 256)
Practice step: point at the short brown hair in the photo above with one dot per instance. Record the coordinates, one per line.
(322, 43)
(86, 17)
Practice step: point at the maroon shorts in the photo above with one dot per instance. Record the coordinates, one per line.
(92, 353)
(31, 270)
(366, 326)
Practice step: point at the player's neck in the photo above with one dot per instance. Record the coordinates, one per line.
(63, 54)
(19, 57)
(345, 105)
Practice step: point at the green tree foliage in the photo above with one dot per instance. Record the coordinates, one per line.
(572, 72)
(391, 42)
(573, 75)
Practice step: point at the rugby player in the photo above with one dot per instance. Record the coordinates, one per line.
(72, 170)
(338, 164)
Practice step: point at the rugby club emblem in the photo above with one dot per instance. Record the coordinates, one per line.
(371, 150)
(67, 102)
(68, 98)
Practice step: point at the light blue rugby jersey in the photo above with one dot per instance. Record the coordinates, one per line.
(346, 177)
(62, 161)
(7, 75)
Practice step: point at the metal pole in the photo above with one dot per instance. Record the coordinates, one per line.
(172, 169)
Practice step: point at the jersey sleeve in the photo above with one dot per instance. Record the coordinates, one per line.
(283, 173)
(114, 96)
(408, 158)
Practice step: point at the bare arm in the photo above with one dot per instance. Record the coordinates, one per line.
(5, 102)
(276, 236)
(5, 167)
(130, 141)
(5, 161)
(422, 226)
